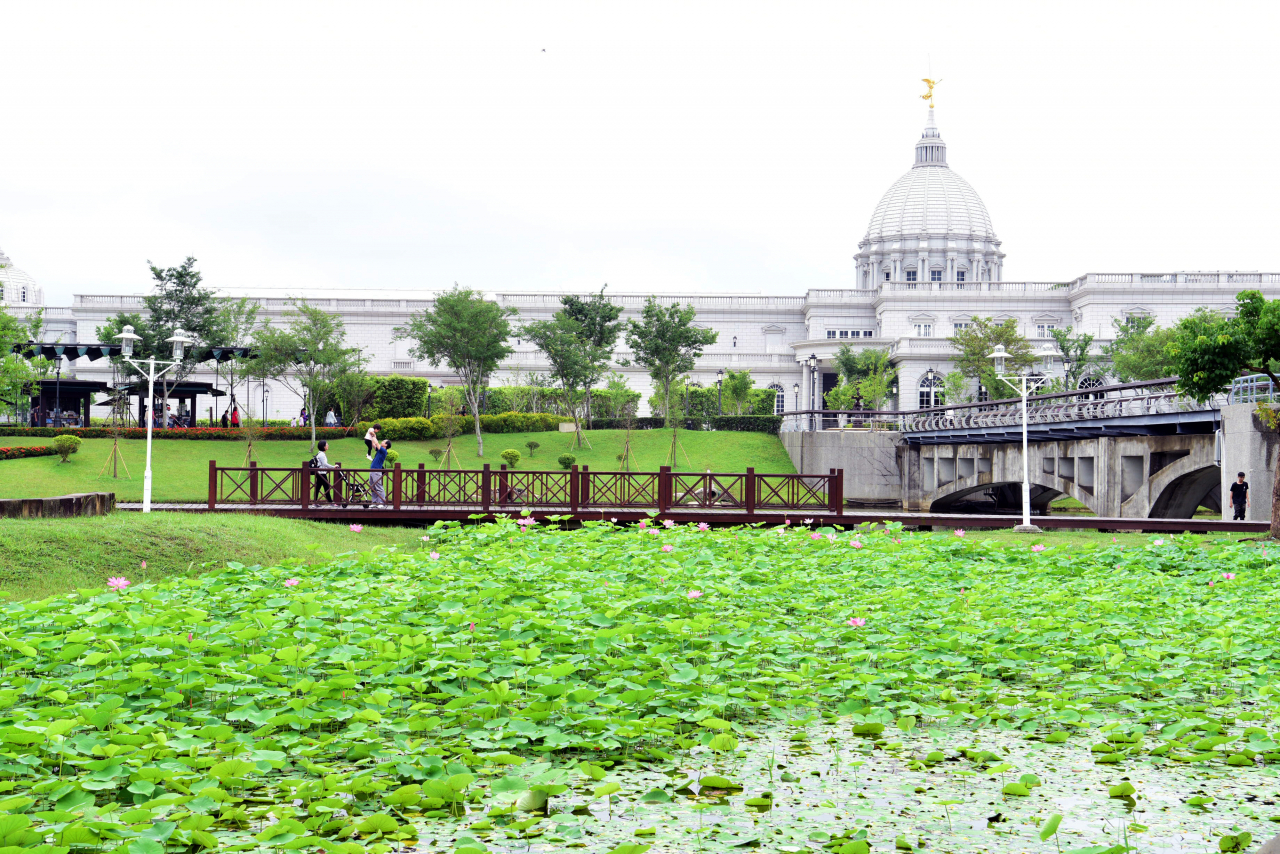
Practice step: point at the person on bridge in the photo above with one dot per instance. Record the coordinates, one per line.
(371, 439)
(1240, 496)
(321, 463)
(375, 476)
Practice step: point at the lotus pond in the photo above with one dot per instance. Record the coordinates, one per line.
(513, 687)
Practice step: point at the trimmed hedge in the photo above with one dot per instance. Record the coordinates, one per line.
(228, 434)
(417, 429)
(28, 451)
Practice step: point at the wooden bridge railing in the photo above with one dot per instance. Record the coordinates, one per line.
(510, 490)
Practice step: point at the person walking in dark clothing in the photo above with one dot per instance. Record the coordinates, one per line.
(1239, 496)
(321, 464)
(375, 475)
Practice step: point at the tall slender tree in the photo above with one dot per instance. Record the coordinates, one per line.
(469, 334)
(666, 342)
(575, 361)
(598, 326)
(306, 355)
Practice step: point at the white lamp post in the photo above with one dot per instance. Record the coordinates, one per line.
(179, 342)
(1025, 385)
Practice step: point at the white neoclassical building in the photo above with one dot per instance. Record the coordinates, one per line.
(929, 263)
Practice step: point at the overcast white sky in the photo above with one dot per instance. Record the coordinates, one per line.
(655, 146)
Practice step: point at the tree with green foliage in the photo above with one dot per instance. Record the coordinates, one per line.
(1210, 350)
(666, 342)
(974, 344)
(19, 367)
(599, 326)
(307, 355)
(955, 388)
(469, 334)
(575, 360)
(1077, 360)
(737, 388)
(866, 376)
(1140, 350)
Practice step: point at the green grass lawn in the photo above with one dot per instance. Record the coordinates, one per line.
(41, 557)
(181, 468)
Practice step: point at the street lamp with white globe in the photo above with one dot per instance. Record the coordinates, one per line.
(180, 341)
(1026, 384)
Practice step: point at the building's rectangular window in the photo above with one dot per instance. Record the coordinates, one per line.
(956, 327)
(959, 275)
(853, 333)
(844, 333)
(868, 333)
(911, 275)
(1043, 330)
(924, 330)
(886, 275)
(935, 275)
(831, 333)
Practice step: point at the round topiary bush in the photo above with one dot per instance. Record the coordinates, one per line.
(393, 457)
(566, 461)
(436, 453)
(511, 456)
(66, 445)
(532, 446)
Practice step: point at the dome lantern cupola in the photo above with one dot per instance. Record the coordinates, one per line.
(931, 150)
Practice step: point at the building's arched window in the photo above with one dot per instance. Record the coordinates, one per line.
(1092, 381)
(23, 296)
(931, 390)
(779, 400)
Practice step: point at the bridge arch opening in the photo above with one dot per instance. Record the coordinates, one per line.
(1182, 495)
(1003, 497)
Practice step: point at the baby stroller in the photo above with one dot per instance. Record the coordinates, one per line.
(354, 490)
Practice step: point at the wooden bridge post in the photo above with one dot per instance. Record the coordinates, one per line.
(397, 487)
(573, 489)
(749, 491)
(504, 494)
(305, 477)
(584, 491)
(422, 483)
(664, 489)
(835, 493)
(213, 483)
(253, 483)
(486, 488)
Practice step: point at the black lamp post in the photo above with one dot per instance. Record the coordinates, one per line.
(429, 390)
(812, 362)
(795, 387)
(264, 403)
(57, 410)
(720, 391)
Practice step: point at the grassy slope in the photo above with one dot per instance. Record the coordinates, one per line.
(181, 468)
(40, 557)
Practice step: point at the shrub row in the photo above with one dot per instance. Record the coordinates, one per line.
(228, 434)
(29, 451)
(410, 429)
(734, 423)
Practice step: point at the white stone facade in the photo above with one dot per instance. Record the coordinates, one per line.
(930, 235)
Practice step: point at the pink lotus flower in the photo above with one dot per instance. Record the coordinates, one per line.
(1159, 542)
(291, 582)
(786, 522)
(189, 636)
(425, 538)
(1229, 576)
(703, 526)
(1037, 548)
(808, 521)
(831, 537)
(897, 541)
(117, 582)
(144, 564)
(654, 531)
(613, 520)
(473, 627)
(355, 529)
(434, 555)
(962, 590)
(857, 544)
(668, 548)
(857, 622)
(1113, 539)
(694, 594)
(667, 523)
(815, 536)
(959, 532)
(1211, 583)
(643, 524)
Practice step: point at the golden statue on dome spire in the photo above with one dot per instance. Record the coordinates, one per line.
(928, 96)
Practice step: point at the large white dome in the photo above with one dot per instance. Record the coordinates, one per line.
(16, 286)
(931, 201)
(930, 226)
